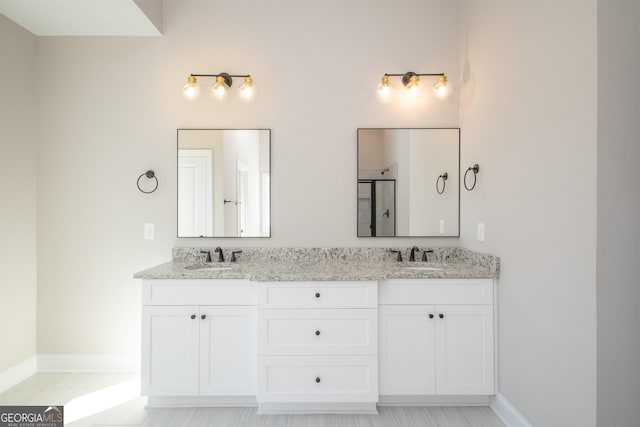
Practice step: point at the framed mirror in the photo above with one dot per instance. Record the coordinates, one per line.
(408, 182)
(224, 182)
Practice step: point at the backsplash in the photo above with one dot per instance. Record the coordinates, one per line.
(439, 255)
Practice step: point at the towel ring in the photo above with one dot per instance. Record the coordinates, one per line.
(444, 178)
(149, 174)
(475, 169)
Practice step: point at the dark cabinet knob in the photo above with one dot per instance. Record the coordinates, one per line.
(317, 294)
(317, 333)
(441, 316)
(430, 316)
(204, 316)
(317, 379)
(193, 316)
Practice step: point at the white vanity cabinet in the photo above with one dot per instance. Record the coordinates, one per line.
(317, 346)
(436, 337)
(199, 338)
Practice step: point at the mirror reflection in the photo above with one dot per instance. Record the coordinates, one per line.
(408, 182)
(224, 187)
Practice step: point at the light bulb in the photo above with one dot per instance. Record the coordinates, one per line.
(247, 91)
(385, 89)
(219, 89)
(413, 86)
(440, 88)
(191, 90)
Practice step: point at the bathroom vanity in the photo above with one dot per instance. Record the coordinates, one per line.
(319, 330)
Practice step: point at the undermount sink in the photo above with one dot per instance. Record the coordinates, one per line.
(423, 268)
(206, 267)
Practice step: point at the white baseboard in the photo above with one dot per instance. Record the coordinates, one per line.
(88, 363)
(17, 374)
(508, 413)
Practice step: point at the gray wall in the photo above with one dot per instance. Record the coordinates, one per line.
(618, 213)
(17, 195)
(528, 118)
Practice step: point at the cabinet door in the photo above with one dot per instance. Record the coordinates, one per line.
(228, 350)
(464, 343)
(407, 353)
(169, 351)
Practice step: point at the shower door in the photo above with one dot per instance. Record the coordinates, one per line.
(377, 208)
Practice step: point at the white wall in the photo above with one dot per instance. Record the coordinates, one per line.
(528, 118)
(17, 195)
(109, 109)
(618, 208)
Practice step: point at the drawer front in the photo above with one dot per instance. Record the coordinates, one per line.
(436, 291)
(317, 379)
(317, 332)
(318, 295)
(198, 292)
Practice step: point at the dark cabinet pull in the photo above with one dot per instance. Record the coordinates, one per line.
(317, 294)
(317, 333)
(317, 379)
(193, 316)
(441, 316)
(204, 316)
(430, 316)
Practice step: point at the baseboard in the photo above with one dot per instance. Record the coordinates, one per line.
(434, 400)
(508, 413)
(269, 408)
(17, 373)
(88, 363)
(201, 401)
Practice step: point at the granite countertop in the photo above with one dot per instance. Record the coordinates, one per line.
(323, 270)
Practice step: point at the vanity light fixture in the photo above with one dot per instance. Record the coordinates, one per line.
(411, 81)
(220, 88)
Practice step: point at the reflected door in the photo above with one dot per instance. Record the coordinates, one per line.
(195, 197)
(377, 208)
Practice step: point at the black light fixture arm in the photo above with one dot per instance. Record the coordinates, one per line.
(411, 73)
(226, 76)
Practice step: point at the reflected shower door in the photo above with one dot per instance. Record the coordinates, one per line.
(377, 208)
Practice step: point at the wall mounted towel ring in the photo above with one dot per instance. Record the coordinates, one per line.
(444, 178)
(149, 174)
(475, 169)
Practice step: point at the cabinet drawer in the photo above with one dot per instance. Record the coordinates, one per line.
(317, 332)
(436, 291)
(318, 295)
(198, 292)
(317, 379)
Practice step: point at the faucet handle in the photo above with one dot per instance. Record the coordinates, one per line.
(218, 250)
(233, 255)
(399, 259)
(424, 254)
(208, 258)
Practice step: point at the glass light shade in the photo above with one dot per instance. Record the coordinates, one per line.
(413, 86)
(385, 89)
(247, 91)
(441, 89)
(219, 89)
(191, 90)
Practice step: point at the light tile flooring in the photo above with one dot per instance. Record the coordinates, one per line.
(91, 399)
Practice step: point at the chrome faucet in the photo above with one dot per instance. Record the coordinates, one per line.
(412, 255)
(218, 250)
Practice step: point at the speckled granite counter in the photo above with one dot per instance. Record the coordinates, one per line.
(326, 264)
